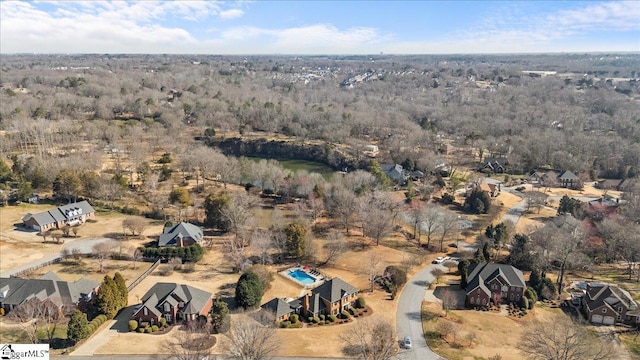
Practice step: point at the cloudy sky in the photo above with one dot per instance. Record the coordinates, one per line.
(318, 27)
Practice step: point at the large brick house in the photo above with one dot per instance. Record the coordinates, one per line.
(174, 302)
(330, 298)
(495, 283)
(70, 214)
(609, 304)
(66, 295)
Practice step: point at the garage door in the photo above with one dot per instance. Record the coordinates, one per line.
(608, 320)
(596, 319)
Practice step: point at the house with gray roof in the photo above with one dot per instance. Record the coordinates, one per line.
(66, 295)
(70, 214)
(570, 180)
(608, 304)
(281, 308)
(493, 283)
(173, 302)
(180, 235)
(395, 172)
(329, 298)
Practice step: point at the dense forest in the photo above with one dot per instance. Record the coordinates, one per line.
(562, 111)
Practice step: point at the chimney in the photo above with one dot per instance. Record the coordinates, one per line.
(305, 304)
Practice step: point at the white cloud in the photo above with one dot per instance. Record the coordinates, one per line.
(140, 27)
(231, 14)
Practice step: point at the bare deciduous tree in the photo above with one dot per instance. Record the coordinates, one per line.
(561, 243)
(437, 273)
(262, 242)
(251, 341)
(135, 224)
(190, 343)
(448, 224)
(335, 247)
(102, 251)
(562, 339)
(374, 265)
(238, 212)
(371, 339)
(449, 300)
(35, 314)
(377, 212)
(341, 204)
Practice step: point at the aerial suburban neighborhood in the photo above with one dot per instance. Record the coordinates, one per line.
(187, 205)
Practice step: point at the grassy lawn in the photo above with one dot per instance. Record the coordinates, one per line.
(632, 343)
(16, 335)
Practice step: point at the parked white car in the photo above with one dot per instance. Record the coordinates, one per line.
(440, 259)
(406, 343)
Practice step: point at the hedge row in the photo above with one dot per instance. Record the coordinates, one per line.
(192, 253)
(95, 323)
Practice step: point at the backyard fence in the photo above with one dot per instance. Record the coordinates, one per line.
(143, 275)
(35, 267)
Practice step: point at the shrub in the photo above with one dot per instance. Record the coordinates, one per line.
(345, 315)
(91, 328)
(310, 319)
(285, 324)
(133, 325)
(360, 303)
(525, 303)
(353, 311)
(294, 318)
(1, 311)
(447, 199)
(140, 330)
(321, 317)
(163, 322)
(147, 330)
(332, 318)
(154, 328)
(316, 320)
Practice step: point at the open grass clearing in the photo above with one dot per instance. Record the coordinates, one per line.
(494, 334)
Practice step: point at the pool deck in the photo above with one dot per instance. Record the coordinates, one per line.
(312, 273)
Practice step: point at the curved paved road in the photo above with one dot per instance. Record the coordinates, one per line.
(83, 245)
(408, 316)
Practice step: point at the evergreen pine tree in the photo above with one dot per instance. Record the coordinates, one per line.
(77, 327)
(123, 293)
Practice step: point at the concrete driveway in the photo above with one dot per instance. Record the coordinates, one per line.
(408, 316)
(105, 333)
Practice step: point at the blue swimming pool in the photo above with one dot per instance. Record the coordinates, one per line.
(302, 276)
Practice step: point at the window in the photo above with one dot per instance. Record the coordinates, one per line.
(145, 311)
(510, 296)
(167, 307)
(604, 310)
(618, 317)
(619, 308)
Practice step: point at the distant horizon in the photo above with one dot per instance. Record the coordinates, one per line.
(300, 28)
(631, 52)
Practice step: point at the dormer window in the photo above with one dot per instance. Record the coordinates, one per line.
(619, 308)
(167, 307)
